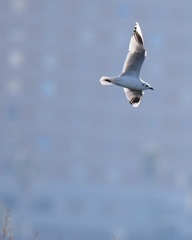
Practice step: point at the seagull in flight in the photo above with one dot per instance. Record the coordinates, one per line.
(130, 79)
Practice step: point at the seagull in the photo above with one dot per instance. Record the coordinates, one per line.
(130, 79)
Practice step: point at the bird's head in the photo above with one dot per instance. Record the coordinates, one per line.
(146, 86)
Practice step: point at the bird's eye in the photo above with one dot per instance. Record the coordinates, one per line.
(143, 84)
(147, 85)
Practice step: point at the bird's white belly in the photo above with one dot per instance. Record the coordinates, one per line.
(131, 82)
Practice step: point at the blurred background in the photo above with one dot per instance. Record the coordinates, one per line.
(76, 160)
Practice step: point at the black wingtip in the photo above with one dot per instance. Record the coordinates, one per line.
(137, 35)
(134, 100)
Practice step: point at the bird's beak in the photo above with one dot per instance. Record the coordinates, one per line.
(151, 88)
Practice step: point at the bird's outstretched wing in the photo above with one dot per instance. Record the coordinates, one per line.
(133, 96)
(136, 54)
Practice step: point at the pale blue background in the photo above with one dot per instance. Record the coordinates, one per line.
(76, 160)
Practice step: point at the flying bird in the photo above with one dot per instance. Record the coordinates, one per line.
(130, 79)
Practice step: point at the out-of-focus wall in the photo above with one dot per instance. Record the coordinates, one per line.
(75, 158)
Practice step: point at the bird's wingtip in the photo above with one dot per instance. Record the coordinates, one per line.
(138, 33)
(136, 24)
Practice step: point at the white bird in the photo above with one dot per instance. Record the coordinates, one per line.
(130, 79)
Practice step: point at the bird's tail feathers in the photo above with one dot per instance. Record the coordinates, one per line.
(106, 81)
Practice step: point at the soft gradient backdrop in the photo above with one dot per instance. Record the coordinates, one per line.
(76, 160)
